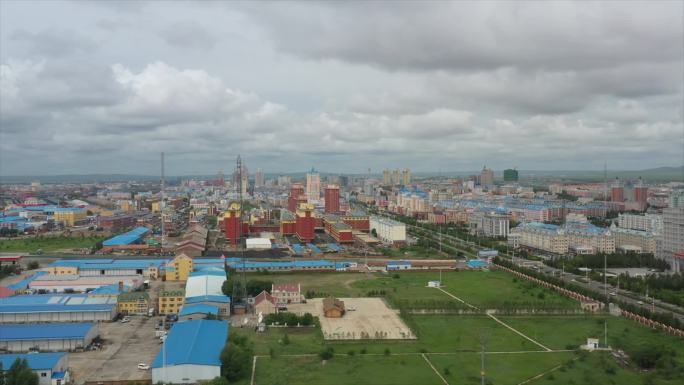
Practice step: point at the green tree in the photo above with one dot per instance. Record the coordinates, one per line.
(218, 381)
(236, 358)
(20, 374)
(256, 286)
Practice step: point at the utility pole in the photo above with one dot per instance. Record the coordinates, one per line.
(605, 279)
(161, 203)
(483, 341)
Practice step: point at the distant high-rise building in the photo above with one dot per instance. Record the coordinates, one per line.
(510, 175)
(284, 180)
(344, 180)
(313, 186)
(386, 177)
(332, 199)
(396, 176)
(406, 177)
(259, 178)
(617, 194)
(672, 247)
(486, 176)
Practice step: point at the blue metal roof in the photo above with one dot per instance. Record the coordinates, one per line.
(397, 263)
(298, 249)
(199, 308)
(104, 264)
(24, 283)
(314, 248)
(50, 331)
(219, 273)
(36, 361)
(208, 298)
(197, 342)
(55, 308)
(128, 238)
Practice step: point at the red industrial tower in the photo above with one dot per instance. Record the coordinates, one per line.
(332, 199)
(296, 197)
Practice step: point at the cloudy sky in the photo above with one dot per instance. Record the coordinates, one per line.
(104, 88)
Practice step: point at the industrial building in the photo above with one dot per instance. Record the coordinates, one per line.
(78, 284)
(51, 368)
(135, 302)
(56, 308)
(204, 283)
(134, 236)
(221, 302)
(197, 311)
(388, 230)
(148, 268)
(18, 338)
(191, 352)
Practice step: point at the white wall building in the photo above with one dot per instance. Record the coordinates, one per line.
(388, 230)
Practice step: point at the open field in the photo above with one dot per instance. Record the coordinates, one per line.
(485, 289)
(481, 288)
(377, 370)
(561, 332)
(510, 369)
(48, 243)
(451, 343)
(370, 319)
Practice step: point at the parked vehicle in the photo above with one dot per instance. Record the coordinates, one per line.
(125, 319)
(142, 366)
(150, 312)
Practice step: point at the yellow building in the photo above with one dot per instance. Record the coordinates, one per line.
(179, 268)
(156, 207)
(62, 270)
(171, 301)
(70, 216)
(134, 302)
(126, 205)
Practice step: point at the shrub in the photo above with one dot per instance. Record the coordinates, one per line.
(387, 352)
(327, 354)
(351, 353)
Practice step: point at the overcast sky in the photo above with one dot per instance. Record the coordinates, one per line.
(104, 88)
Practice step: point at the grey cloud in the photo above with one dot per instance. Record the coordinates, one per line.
(54, 42)
(472, 36)
(188, 34)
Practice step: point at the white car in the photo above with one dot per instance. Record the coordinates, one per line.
(142, 366)
(125, 319)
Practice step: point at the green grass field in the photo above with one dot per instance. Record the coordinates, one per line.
(48, 244)
(452, 342)
(359, 369)
(499, 368)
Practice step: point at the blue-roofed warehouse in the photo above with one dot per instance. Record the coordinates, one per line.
(56, 308)
(46, 337)
(49, 367)
(132, 237)
(191, 352)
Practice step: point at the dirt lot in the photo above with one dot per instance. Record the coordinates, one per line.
(371, 319)
(125, 346)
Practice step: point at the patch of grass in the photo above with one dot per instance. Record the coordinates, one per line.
(360, 369)
(49, 243)
(464, 368)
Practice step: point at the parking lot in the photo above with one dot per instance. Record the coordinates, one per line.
(125, 345)
(369, 319)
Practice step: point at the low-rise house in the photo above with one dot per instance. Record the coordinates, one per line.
(264, 303)
(285, 293)
(171, 301)
(135, 302)
(333, 307)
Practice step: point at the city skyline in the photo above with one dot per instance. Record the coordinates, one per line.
(472, 83)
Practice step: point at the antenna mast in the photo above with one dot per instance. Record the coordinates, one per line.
(240, 285)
